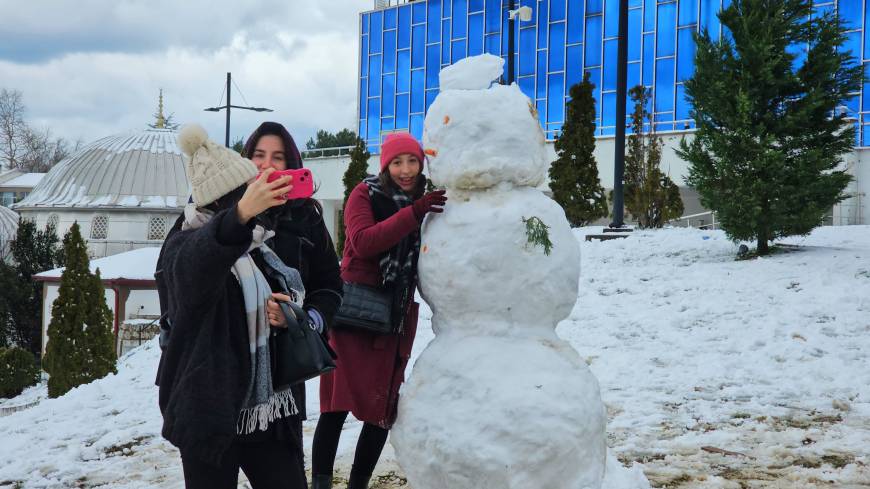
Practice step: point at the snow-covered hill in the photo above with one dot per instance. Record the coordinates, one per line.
(716, 374)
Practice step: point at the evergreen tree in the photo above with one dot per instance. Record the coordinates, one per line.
(326, 139)
(769, 134)
(574, 175)
(32, 251)
(357, 170)
(81, 346)
(651, 197)
(239, 146)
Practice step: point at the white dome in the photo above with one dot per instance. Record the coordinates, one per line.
(142, 170)
(8, 229)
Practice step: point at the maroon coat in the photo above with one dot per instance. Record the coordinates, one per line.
(370, 367)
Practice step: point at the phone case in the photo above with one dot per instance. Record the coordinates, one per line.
(303, 182)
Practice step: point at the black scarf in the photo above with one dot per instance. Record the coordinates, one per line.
(399, 264)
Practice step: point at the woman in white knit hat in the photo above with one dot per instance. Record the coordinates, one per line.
(216, 391)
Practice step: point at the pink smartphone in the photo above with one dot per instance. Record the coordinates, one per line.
(302, 182)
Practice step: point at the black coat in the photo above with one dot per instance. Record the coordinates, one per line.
(205, 366)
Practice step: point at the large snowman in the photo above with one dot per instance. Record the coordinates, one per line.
(496, 400)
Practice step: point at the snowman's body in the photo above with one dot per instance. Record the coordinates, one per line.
(496, 400)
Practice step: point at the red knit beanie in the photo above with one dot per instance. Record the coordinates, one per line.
(400, 143)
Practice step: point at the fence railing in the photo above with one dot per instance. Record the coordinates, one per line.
(309, 154)
(701, 220)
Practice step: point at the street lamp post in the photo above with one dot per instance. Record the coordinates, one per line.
(525, 15)
(619, 141)
(228, 106)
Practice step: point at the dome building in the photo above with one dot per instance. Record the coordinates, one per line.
(8, 230)
(125, 191)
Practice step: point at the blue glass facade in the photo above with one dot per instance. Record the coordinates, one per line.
(402, 49)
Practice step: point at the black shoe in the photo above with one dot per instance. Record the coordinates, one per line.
(321, 482)
(358, 481)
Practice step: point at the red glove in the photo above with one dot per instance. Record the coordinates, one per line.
(431, 202)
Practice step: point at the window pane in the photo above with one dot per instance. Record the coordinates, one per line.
(363, 95)
(459, 48)
(593, 7)
(493, 16)
(632, 77)
(595, 79)
(417, 91)
(374, 120)
(611, 18)
(362, 129)
(685, 54)
(527, 85)
(709, 20)
(447, 9)
(445, 43)
(419, 12)
(417, 126)
(853, 46)
(375, 33)
(493, 44)
(574, 65)
(634, 35)
(374, 75)
(388, 124)
(608, 109)
(430, 97)
(541, 12)
(649, 56)
(683, 105)
(541, 106)
(575, 21)
(365, 23)
(433, 29)
(389, 19)
(666, 34)
(610, 65)
(557, 10)
(593, 42)
(418, 55)
(402, 111)
(404, 39)
(475, 34)
(389, 92)
(557, 47)
(403, 72)
(649, 15)
(460, 19)
(555, 98)
(364, 64)
(541, 90)
(527, 52)
(688, 13)
(390, 52)
(664, 85)
(433, 65)
(475, 5)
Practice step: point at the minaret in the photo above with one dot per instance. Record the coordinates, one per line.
(161, 121)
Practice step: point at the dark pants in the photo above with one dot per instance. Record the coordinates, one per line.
(325, 445)
(273, 464)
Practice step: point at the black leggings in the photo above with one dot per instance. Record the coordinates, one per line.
(368, 447)
(268, 465)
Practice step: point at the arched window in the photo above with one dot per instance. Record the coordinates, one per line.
(157, 228)
(100, 227)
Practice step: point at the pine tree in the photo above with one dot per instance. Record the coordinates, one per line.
(770, 136)
(574, 175)
(81, 346)
(32, 251)
(356, 171)
(651, 197)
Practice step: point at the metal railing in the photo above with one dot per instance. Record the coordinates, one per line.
(701, 220)
(382, 4)
(309, 154)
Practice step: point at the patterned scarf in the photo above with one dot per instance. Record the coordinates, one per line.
(262, 405)
(399, 264)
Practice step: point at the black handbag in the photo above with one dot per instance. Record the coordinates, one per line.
(367, 308)
(298, 352)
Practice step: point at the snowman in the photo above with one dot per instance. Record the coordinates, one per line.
(497, 400)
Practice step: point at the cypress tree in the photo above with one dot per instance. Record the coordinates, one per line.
(651, 197)
(574, 175)
(356, 171)
(770, 134)
(81, 345)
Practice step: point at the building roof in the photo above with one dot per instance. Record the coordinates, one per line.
(143, 170)
(8, 229)
(132, 267)
(27, 180)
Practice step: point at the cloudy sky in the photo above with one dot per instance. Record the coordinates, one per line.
(91, 68)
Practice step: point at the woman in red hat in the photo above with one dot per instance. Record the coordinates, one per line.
(382, 219)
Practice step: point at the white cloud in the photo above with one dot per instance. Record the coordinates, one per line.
(298, 58)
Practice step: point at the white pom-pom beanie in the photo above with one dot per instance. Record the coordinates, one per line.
(213, 170)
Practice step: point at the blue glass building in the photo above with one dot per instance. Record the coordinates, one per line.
(403, 47)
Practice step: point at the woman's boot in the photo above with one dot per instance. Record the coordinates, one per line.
(321, 482)
(357, 480)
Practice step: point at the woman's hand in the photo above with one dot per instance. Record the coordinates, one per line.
(431, 202)
(262, 194)
(273, 310)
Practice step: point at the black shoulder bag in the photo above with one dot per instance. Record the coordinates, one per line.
(298, 352)
(366, 307)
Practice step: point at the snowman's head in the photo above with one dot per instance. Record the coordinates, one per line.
(477, 136)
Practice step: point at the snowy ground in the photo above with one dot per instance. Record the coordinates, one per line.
(716, 374)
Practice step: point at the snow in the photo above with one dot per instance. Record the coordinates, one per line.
(138, 264)
(26, 180)
(691, 349)
(475, 73)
